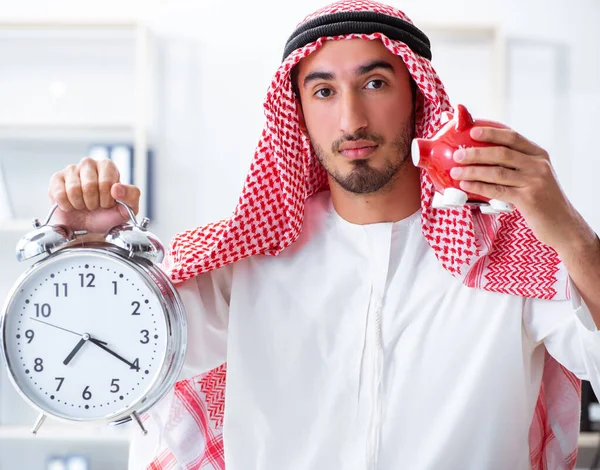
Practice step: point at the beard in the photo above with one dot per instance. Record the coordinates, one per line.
(363, 178)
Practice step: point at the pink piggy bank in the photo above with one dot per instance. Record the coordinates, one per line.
(435, 155)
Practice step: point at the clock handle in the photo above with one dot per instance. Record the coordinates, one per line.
(38, 224)
(132, 218)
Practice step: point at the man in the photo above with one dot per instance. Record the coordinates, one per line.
(385, 334)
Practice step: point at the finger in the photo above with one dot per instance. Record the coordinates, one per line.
(489, 174)
(108, 175)
(506, 137)
(58, 192)
(73, 187)
(491, 191)
(128, 194)
(502, 156)
(88, 176)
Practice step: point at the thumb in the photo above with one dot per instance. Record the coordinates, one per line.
(128, 194)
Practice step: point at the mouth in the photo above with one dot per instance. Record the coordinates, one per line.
(355, 150)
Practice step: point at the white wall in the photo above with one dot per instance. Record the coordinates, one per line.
(219, 58)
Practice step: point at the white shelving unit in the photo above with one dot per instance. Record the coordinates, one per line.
(480, 80)
(76, 82)
(53, 432)
(64, 87)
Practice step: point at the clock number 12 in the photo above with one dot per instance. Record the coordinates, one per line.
(90, 279)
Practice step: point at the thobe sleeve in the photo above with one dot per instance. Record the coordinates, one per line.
(568, 332)
(206, 302)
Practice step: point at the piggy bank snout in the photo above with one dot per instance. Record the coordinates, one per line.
(420, 150)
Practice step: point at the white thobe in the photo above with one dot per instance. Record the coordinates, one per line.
(355, 349)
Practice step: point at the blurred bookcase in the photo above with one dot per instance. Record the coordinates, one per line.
(67, 90)
(471, 62)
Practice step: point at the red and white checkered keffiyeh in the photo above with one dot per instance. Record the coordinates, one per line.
(494, 252)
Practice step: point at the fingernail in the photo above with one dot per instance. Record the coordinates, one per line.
(476, 132)
(459, 155)
(120, 191)
(455, 172)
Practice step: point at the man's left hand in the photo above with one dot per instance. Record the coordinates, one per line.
(518, 171)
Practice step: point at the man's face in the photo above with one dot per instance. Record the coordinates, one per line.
(357, 106)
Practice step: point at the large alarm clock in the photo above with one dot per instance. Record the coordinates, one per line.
(93, 331)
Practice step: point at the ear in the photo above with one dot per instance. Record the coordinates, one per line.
(301, 120)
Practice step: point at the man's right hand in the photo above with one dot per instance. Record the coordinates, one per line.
(86, 193)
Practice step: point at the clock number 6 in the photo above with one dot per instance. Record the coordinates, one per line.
(86, 393)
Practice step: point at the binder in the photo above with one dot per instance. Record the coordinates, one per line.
(122, 156)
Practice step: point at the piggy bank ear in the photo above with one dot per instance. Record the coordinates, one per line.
(465, 120)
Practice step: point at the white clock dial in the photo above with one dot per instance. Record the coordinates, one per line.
(85, 337)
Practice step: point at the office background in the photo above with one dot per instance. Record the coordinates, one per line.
(173, 91)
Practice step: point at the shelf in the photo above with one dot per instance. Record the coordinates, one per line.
(589, 439)
(64, 124)
(16, 225)
(462, 30)
(68, 24)
(65, 433)
(58, 130)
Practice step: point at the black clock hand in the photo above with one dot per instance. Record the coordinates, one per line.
(101, 344)
(77, 347)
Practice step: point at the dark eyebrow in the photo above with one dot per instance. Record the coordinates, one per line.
(362, 70)
(317, 76)
(377, 64)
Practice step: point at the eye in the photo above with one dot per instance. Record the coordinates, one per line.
(323, 93)
(375, 84)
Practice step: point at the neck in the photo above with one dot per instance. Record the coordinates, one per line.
(399, 199)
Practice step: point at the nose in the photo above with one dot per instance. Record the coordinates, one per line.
(353, 116)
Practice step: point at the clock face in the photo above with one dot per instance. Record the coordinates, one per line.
(85, 336)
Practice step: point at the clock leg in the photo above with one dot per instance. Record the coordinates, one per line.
(38, 424)
(137, 419)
